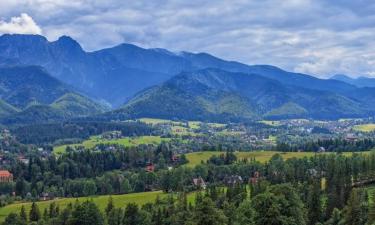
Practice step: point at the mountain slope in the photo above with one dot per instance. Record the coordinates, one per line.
(75, 105)
(30, 94)
(116, 74)
(20, 86)
(359, 82)
(213, 94)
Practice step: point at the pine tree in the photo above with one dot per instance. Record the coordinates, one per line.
(207, 214)
(352, 212)
(23, 214)
(314, 203)
(371, 214)
(34, 214)
(115, 217)
(336, 218)
(110, 205)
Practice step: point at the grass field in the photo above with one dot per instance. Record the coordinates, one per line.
(271, 122)
(196, 158)
(118, 200)
(127, 142)
(101, 201)
(365, 127)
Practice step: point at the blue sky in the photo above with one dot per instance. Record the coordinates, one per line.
(319, 37)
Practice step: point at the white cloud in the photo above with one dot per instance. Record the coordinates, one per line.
(22, 24)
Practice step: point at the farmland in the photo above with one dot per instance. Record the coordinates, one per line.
(101, 201)
(365, 127)
(196, 158)
(127, 142)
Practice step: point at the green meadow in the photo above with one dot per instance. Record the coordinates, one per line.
(102, 200)
(127, 142)
(196, 158)
(365, 127)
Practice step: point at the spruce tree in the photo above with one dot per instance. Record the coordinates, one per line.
(314, 203)
(23, 214)
(34, 214)
(110, 205)
(352, 212)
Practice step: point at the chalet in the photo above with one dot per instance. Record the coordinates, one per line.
(5, 176)
(351, 137)
(254, 179)
(112, 135)
(175, 158)
(233, 180)
(322, 150)
(23, 159)
(45, 197)
(150, 167)
(199, 182)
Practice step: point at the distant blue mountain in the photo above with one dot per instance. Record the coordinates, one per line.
(359, 81)
(213, 94)
(118, 74)
(115, 74)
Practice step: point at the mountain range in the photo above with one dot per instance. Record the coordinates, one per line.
(139, 82)
(359, 81)
(30, 94)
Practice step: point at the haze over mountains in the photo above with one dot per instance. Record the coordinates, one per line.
(140, 82)
(359, 81)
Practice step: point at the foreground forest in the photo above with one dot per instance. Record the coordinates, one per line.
(323, 189)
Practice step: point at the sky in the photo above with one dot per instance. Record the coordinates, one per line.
(317, 37)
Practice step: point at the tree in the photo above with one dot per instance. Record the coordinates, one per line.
(314, 203)
(244, 214)
(352, 212)
(371, 214)
(267, 210)
(34, 214)
(336, 218)
(115, 217)
(23, 214)
(13, 219)
(207, 214)
(291, 205)
(134, 216)
(110, 206)
(86, 213)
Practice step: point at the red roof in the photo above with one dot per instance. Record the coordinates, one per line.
(5, 173)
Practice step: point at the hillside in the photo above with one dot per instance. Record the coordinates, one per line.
(359, 81)
(30, 95)
(118, 73)
(213, 94)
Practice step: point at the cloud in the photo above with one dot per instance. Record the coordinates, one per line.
(22, 24)
(319, 37)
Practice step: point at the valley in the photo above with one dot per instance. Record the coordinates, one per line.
(130, 135)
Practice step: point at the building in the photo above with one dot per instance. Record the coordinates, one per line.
(150, 167)
(199, 182)
(5, 176)
(233, 180)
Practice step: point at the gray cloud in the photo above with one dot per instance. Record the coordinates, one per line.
(319, 37)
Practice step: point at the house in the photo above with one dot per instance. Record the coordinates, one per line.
(199, 182)
(150, 167)
(23, 159)
(45, 197)
(322, 150)
(351, 137)
(233, 180)
(255, 178)
(175, 158)
(5, 176)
